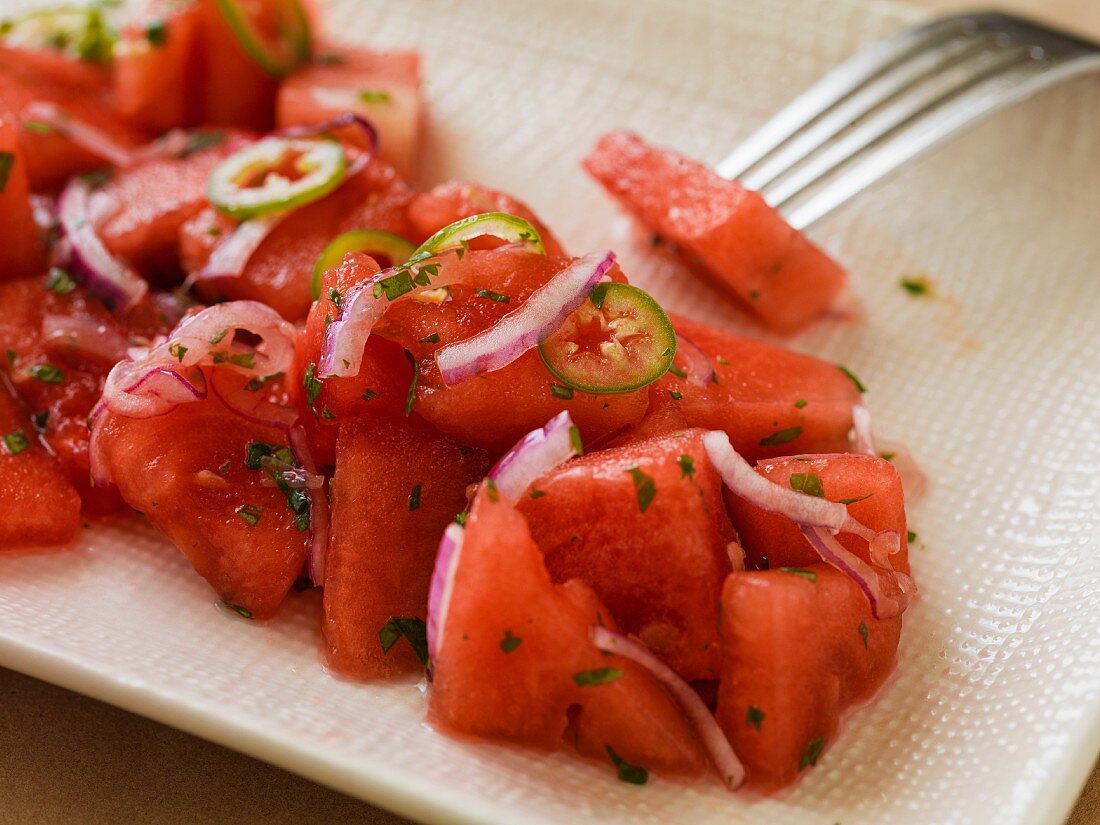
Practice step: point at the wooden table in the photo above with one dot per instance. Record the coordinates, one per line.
(67, 758)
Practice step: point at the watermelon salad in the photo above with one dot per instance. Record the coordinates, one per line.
(594, 524)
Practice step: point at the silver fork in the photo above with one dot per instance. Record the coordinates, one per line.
(895, 100)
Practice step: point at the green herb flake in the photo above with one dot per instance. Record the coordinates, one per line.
(598, 295)
(644, 488)
(430, 339)
(250, 513)
(491, 490)
(414, 497)
(243, 359)
(7, 161)
(781, 437)
(912, 536)
(809, 575)
(225, 467)
(239, 609)
(413, 629)
(15, 442)
(536, 493)
(677, 371)
(218, 336)
(462, 517)
(177, 350)
(411, 397)
(335, 296)
(687, 466)
(634, 774)
(852, 377)
(887, 456)
(675, 396)
(510, 642)
(847, 501)
(865, 633)
(37, 127)
(559, 391)
(258, 382)
(255, 452)
(368, 394)
(800, 403)
(59, 281)
(754, 716)
(575, 440)
(373, 96)
(597, 676)
(916, 286)
(723, 361)
(489, 295)
(156, 33)
(47, 374)
(808, 483)
(311, 383)
(812, 753)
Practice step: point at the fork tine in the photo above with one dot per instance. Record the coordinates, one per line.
(924, 98)
(835, 86)
(871, 96)
(965, 109)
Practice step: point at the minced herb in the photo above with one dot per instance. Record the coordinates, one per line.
(413, 629)
(781, 437)
(597, 676)
(644, 487)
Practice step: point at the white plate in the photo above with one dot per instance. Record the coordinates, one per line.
(995, 713)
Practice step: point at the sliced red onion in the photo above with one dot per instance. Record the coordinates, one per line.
(714, 738)
(536, 454)
(319, 520)
(345, 119)
(523, 328)
(68, 333)
(443, 580)
(82, 134)
(90, 262)
(139, 390)
(742, 479)
(700, 370)
(874, 583)
(864, 441)
(231, 256)
(254, 407)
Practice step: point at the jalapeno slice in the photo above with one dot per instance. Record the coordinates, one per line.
(618, 340)
(276, 173)
(497, 224)
(275, 35)
(392, 249)
(79, 32)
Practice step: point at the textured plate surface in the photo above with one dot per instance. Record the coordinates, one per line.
(994, 381)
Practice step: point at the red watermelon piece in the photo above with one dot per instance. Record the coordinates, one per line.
(279, 271)
(872, 485)
(449, 202)
(383, 87)
(495, 410)
(22, 252)
(186, 472)
(512, 642)
(769, 400)
(746, 247)
(798, 650)
(56, 66)
(38, 505)
(398, 483)
(644, 526)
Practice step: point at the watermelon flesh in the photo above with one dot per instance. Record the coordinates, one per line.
(383, 87)
(22, 253)
(495, 410)
(192, 485)
(796, 654)
(39, 507)
(449, 202)
(745, 245)
(659, 570)
(770, 400)
(398, 483)
(872, 485)
(511, 642)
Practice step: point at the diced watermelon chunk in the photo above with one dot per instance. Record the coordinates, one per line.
(511, 643)
(872, 485)
(186, 472)
(383, 87)
(645, 527)
(56, 66)
(744, 244)
(22, 252)
(496, 409)
(769, 400)
(279, 271)
(798, 650)
(398, 483)
(448, 202)
(38, 505)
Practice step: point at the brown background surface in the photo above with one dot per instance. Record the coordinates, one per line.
(65, 758)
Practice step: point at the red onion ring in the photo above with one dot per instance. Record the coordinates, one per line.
(700, 370)
(864, 437)
(345, 119)
(714, 738)
(69, 333)
(90, 262)
(523, 328)
(318, 507)
(873, 583)
(443, 580)
(536, 454)
(253, 407)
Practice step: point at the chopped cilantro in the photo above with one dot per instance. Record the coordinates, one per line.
(257, 383)
(597, 676)
(800, 403)
(915, 286)
(852, 377)
(644, 487)
(887, 456)
(411, 397)
(781, 436)
(808, 483)
(368, 394)
(177, 350)
(156, 33)
(414, 498)
(225, 467)
(37, 127)
(598, 295)
(217, 337)
(240, 359)
(559, 391)
(677, 371)
(491, 490)
(250, 513)
(7, 161)
(47, 374)
(430, 339)
(675, 396)
(687, 466)
(536, 493)
(59, 281)
(256, 451)
(809, 575)
(311, 383)
(912, 536)
(461, 518)
(412, 629)
(489, 295)
(754, 716)
(326, 413)
(335, 296)
(812, 753)
(723, 360)
(241, 609)
(373, 96)
(575, 440)
(634, 774)
(510, 642)
(15, 442)
(865, 633)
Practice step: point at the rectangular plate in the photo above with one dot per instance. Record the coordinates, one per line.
(994, 714)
